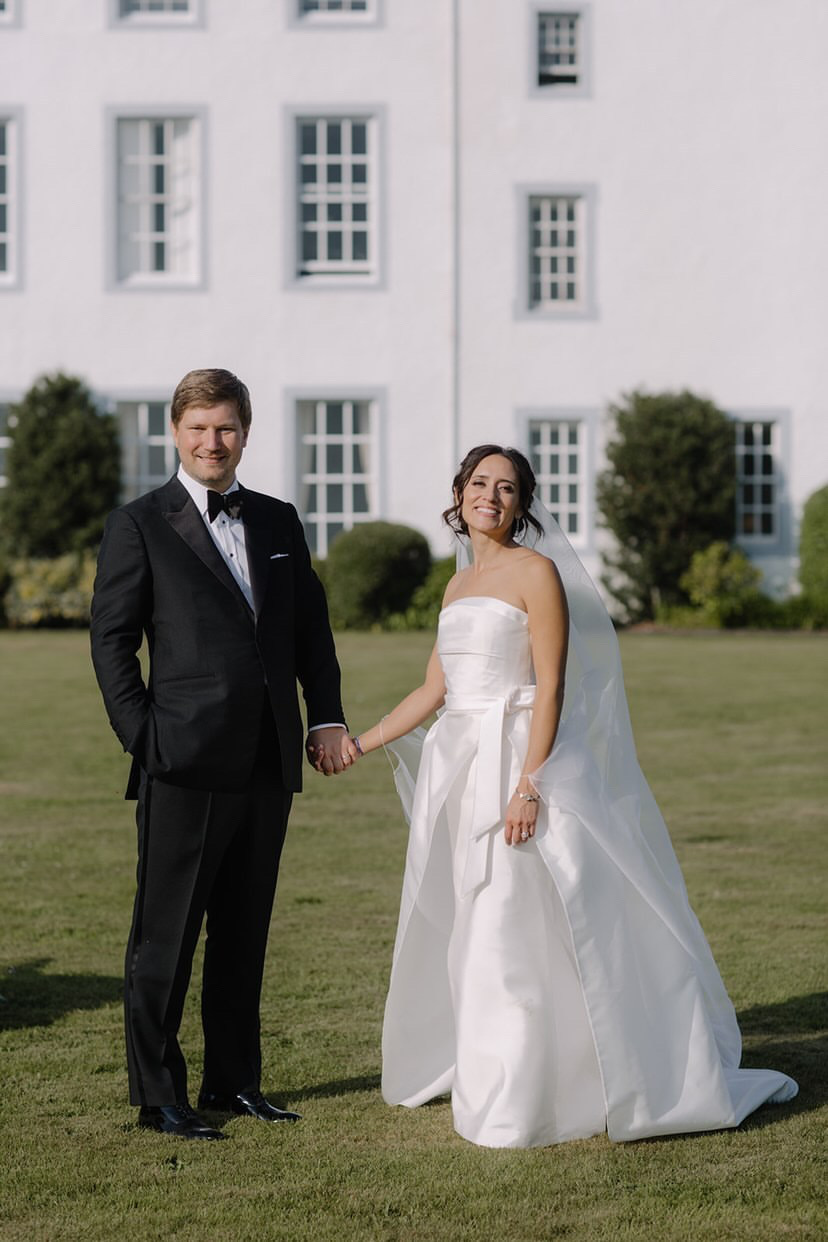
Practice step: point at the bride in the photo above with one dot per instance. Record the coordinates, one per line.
(548, 969)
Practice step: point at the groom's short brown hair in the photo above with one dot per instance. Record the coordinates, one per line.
(208, 388)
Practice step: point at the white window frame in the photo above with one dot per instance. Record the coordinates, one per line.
(332, 273)
(582, 14)
(318, 519)
(584, 199)
(158, 19)
(10, 198)
(137, 442)
(343, 17)
(121, 278)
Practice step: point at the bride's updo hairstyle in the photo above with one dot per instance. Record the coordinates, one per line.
(526, 489)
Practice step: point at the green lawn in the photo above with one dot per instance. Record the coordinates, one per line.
(731, 734)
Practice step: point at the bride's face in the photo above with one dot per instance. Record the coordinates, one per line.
(491, 497)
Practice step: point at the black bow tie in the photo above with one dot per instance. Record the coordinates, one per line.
(230, 503)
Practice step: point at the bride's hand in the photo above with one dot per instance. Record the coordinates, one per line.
(521, 817)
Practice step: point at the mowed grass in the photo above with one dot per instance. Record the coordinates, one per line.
(731, 732)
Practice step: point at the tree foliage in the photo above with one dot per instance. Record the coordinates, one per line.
(63, 469)
(813, 546)
(668, 491)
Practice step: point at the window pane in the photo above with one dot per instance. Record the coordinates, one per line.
(360, 498)
(333, 424)
(156, 418)
(334, 497)
(333, 459)
(157, 459)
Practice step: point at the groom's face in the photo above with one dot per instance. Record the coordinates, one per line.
(210, 441)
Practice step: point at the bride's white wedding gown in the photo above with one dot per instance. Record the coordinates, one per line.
(563, 987)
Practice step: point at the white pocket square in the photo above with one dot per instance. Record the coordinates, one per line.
(277, 556)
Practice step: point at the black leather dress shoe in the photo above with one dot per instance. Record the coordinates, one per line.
(178, 1119)
(246, 1103)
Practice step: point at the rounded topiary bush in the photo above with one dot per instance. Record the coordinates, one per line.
(373, 571)
(813, 546)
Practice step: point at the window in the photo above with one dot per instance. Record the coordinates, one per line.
(158, 209)
(336, 468)
(757, 480)
(336, 208)
(557, 258)
(557, 454)
(156, 12)
(5, 440)
(559, 49)
(148, 454)
(8, 256)
(334, 6)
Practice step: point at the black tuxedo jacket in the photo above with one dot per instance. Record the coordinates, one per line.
(196, 721)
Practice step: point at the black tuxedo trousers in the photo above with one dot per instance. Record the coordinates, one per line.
(202, 853)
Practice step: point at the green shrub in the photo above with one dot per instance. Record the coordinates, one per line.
(427, 600)
(813, 546)
(372, 571)
(723, 584)
(668, 491)
(803, 612)
(52, 593)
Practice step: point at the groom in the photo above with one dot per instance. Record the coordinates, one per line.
(218, 580)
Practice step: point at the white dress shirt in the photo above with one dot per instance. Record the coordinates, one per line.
(228, 535)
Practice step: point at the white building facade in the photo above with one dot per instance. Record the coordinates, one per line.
(414, 225)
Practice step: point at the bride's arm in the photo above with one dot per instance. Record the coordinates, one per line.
(410, 711)
(549, 635)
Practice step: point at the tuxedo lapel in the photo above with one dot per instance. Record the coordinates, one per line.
(257, 541)
(186, 521)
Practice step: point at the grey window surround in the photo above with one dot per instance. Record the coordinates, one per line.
(376, 281)
(112, 115)
(783, 543)
(590, 419)
(13, 282)
(589, 308)
(583, 88)
(196, 19)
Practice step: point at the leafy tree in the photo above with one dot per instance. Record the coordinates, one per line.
(813, 546)
(668, 492)
(63, 468)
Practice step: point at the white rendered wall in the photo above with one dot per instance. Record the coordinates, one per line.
(703, 137)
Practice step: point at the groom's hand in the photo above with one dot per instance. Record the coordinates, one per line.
(324, 750)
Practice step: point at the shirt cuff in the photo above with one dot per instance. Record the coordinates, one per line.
(332, 724)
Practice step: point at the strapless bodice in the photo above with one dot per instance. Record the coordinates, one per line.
(484, 648)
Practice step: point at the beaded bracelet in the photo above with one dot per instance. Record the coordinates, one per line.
(356, 743)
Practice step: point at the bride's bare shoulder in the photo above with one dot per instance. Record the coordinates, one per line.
(540, 574)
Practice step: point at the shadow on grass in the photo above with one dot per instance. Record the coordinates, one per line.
(32, 998)
(339, 1086)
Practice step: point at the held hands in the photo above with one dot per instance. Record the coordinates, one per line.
(521, 814)
(331, 751)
